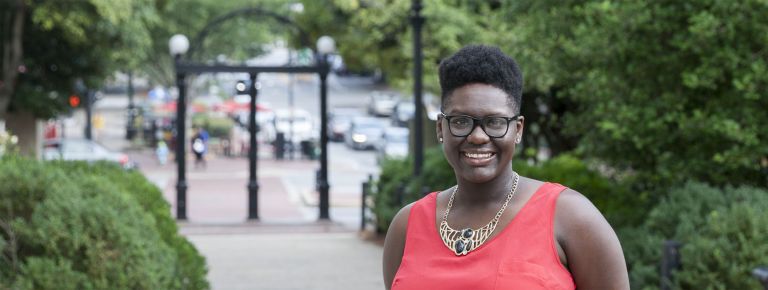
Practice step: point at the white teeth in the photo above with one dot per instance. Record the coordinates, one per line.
(478, 155)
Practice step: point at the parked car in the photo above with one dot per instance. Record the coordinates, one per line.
(339, 121)
(364, 133)
(84, 150)
(393, 144)
(381, 103)
(296, 125)
(403, 113)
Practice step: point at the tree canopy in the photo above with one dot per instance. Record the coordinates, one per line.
(660, 92)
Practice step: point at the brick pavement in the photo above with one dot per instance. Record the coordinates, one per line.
(286, 248)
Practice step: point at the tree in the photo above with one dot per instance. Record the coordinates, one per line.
(12, 29)
(673, 91)
(53, 43)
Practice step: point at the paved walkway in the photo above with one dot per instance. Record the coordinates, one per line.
(287, 248)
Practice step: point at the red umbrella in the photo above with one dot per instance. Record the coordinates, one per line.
(231, 106)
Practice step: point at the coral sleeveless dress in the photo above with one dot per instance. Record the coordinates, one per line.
(522, 256)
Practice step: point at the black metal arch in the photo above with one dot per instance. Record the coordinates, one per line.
(197, 42)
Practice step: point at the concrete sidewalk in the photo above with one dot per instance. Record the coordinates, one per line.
(287, 248)
(291, 261)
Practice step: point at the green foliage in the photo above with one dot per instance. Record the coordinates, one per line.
(66, 40)
(397, 187)
(665, 91)
(396, 183)
(71, 225)
(723, 232)
(611, 197)
(218, 127)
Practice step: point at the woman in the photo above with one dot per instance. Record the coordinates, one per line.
(496, 229)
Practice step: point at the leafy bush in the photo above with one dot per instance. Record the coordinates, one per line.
(191, 270)
(77, 226)
(397, 186)
(722, 231)
(610, 197)
(217, 127)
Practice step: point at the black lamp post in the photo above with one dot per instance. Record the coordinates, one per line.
(179, 44)
(253, 183)
(130, 129)
(87, 99)
(418, 145)
(325, 45)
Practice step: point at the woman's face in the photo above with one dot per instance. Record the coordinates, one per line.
(478, 158)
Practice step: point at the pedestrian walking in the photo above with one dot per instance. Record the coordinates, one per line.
(200, 147)
(162, 152)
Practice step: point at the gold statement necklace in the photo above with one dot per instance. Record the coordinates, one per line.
(464, 241)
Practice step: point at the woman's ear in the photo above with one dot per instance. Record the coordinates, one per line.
(519, 126)
(439, 129)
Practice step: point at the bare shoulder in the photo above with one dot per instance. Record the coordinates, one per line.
(394, 244)
(592, 249)
(572, 206)
(399, 223)
(576, 217)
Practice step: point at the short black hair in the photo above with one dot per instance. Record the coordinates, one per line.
(481, 64)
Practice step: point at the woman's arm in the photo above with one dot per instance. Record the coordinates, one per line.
(394, 244)
(591, 247)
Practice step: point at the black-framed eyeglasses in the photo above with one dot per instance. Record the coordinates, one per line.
(463, 125)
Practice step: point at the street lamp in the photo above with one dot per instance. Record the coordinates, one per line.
(130, 132)
(325, 46)
(87, 98)
(418, 145)
(253, 152)
(178, 45)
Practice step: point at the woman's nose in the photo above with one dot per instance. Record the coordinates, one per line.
(478, 135)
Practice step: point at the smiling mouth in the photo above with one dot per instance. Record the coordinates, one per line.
(478, 155)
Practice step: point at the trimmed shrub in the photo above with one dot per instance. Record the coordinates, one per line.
(722, 231)
(75, 226)
(217, 127)
(190, 270)
(608, 196)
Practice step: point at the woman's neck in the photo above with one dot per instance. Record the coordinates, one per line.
(490, 192)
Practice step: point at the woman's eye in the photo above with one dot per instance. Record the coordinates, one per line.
(495, 122)
(460, 122)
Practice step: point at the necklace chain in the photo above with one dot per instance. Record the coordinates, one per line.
(464, 241)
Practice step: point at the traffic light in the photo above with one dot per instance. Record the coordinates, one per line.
(241, 88)
(74, 101)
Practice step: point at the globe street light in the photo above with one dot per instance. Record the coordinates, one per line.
(178, 45)
(325, 46)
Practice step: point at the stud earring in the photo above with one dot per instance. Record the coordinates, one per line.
(440, 139)
(517, 141)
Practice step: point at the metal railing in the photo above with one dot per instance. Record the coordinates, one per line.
(365, 203)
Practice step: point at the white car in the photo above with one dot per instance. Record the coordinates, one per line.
(296, 125)
(382, 103)
(393, 144)
(84, 150)
(364, 133)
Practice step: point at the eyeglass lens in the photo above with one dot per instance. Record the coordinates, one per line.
(493, 126)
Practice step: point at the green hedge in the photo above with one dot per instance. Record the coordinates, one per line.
(217, 127)
(723, 234)
(608, 196)
(723, 231)
(71, 225)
